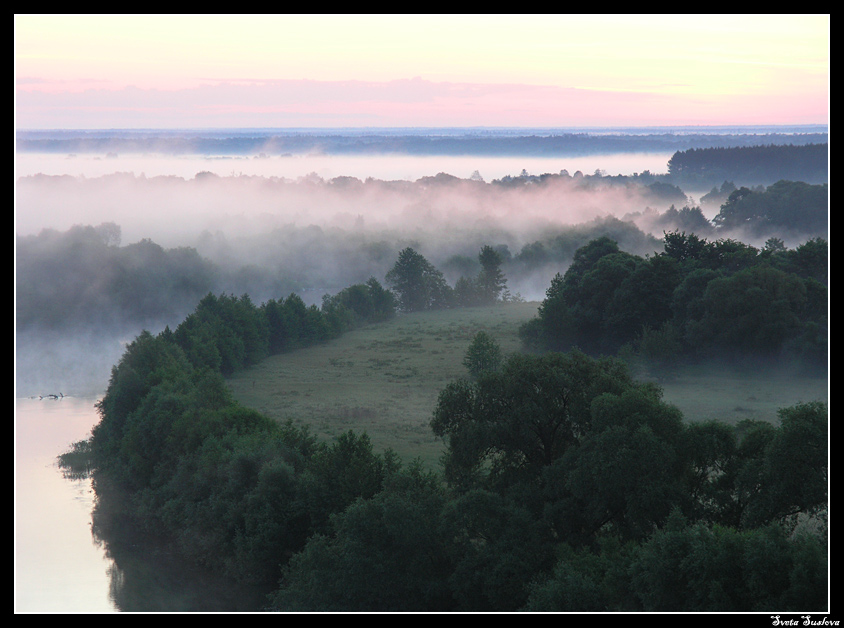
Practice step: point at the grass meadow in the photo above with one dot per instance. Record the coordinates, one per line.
(384, 379)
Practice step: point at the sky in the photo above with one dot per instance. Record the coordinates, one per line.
(525, 70)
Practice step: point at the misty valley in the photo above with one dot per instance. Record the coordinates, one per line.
(549, 392)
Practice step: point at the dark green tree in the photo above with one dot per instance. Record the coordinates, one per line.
(793, 475)
(604, 300)
(586, 580)
(499, 547)
(594, 299)
(697, 568)
(753, 312)
(388, 553)
(714, 463)
(362, 303)
(466, 292)
(506, 427)
(792, 205)
(554, 326)
(625, 475)
(339, 473)
(642, 300)
(491, 281)
(147, 361)
(809, 260)
(682, 247)
(583, 261)
(418, 284)
(234, 326)
(687, 302)
(729, 256)
(774, 245)
(483, 355)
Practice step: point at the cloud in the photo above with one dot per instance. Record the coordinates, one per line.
(407, 102)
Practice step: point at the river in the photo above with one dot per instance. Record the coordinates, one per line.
(59, 566)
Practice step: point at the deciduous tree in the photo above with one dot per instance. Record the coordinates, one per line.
(418, 284)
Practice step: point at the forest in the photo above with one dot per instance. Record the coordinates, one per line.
(699, 299)
(442, 141)
(753, 164)
(85, 276)
(566, 484)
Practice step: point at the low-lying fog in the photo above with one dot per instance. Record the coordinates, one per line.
(320, 222)
(260, 220)
(391, 167)
(146, 197)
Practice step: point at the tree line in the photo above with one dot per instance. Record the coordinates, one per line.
(789, 209)
(84, 277)
(792, 206)
(566, 484)
(420, 286)
(461, 142)
(697, 300)
(760, 164)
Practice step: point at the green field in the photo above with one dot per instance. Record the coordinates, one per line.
(731, 396)
(384, 379)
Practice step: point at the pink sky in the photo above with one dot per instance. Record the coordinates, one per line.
(322, 71)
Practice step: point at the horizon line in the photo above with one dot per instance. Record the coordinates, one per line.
(428, 127)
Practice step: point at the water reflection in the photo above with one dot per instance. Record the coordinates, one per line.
(147, 576)
(74, 551)
(58, 565)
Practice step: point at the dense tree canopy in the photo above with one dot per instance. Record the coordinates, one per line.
(511, 423)
(752, 164)
(566, 484)
(696, 299)
(561, 474)
(418, 284)
(786, 205)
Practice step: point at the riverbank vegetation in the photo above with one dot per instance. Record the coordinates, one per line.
(567, 483)
(405, 431)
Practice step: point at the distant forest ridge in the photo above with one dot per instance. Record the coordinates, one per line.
(415, 141)
(750, 164)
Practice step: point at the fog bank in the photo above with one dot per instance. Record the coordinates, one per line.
(171, 210)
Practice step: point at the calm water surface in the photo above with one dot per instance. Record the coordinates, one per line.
(59, 566)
